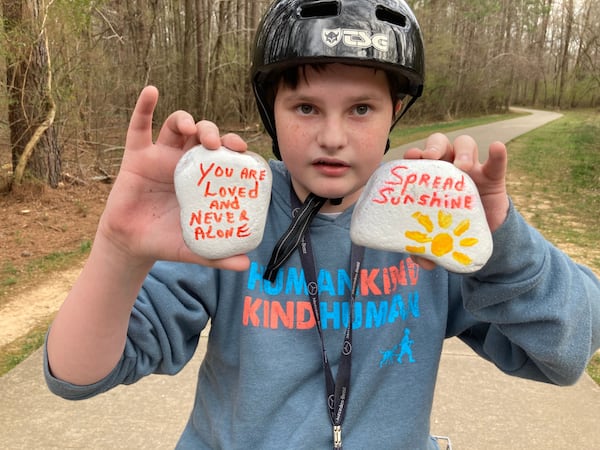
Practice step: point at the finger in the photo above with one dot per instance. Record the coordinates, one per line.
(413, 153)
(234, 142)
(176, 130)
(465, 153)
(495, 167)
(438, 146)
(237, 263)
(424, 263)
(208, 134)
(139, 132)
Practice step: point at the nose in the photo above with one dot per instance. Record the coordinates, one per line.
(332, 134)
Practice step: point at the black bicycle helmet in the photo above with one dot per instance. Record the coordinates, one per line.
(376, 33)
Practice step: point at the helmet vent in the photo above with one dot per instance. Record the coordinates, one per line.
(387, 15)
(319, 9)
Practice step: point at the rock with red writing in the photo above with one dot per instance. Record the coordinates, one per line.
(224, 199)
(426, 208)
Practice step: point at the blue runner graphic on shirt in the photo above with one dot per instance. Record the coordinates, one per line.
(406, 347)
(389, 357)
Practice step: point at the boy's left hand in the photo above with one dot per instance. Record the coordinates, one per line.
(490, 177)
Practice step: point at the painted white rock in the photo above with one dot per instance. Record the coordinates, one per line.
(426, 208)
(224, 199)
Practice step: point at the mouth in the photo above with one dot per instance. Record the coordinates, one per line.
(328, 162)
(330, 167)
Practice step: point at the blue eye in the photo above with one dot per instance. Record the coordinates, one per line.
(361, 110)
(305, 109)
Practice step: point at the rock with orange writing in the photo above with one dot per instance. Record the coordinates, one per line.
(426, 208)
(224, 199)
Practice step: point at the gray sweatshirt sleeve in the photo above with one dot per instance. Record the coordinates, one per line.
(543, 309)
(164, 329)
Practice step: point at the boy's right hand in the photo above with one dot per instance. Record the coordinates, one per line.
(141, 220)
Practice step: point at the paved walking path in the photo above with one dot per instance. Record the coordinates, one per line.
(484, 135)
(476, 404)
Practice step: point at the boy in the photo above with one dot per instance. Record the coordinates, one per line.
(329, 89)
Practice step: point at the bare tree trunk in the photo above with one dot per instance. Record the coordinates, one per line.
(217, 60)
(566, 41)
(31, 109)
(200, 24)
(540, 48)
(578, 66)
(187, 74)
(141, 22)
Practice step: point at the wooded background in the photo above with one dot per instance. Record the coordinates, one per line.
(70, 70)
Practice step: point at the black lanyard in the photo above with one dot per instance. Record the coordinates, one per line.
(337, 390)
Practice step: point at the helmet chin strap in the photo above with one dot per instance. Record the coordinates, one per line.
(290, 240)
(302, 216)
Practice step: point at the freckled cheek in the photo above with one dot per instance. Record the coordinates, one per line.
(292, 141)
(372, 151)
(372, 146)
(292, 134)
(368, 167)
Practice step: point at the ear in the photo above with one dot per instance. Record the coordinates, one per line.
(397, 107)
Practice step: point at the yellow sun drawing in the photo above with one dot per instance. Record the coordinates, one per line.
(443, 242)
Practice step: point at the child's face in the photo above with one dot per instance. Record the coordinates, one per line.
(332, 130)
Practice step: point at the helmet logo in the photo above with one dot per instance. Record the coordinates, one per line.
(331, 37)
(354, 38)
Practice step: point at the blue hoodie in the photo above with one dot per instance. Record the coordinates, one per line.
(530, 310)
